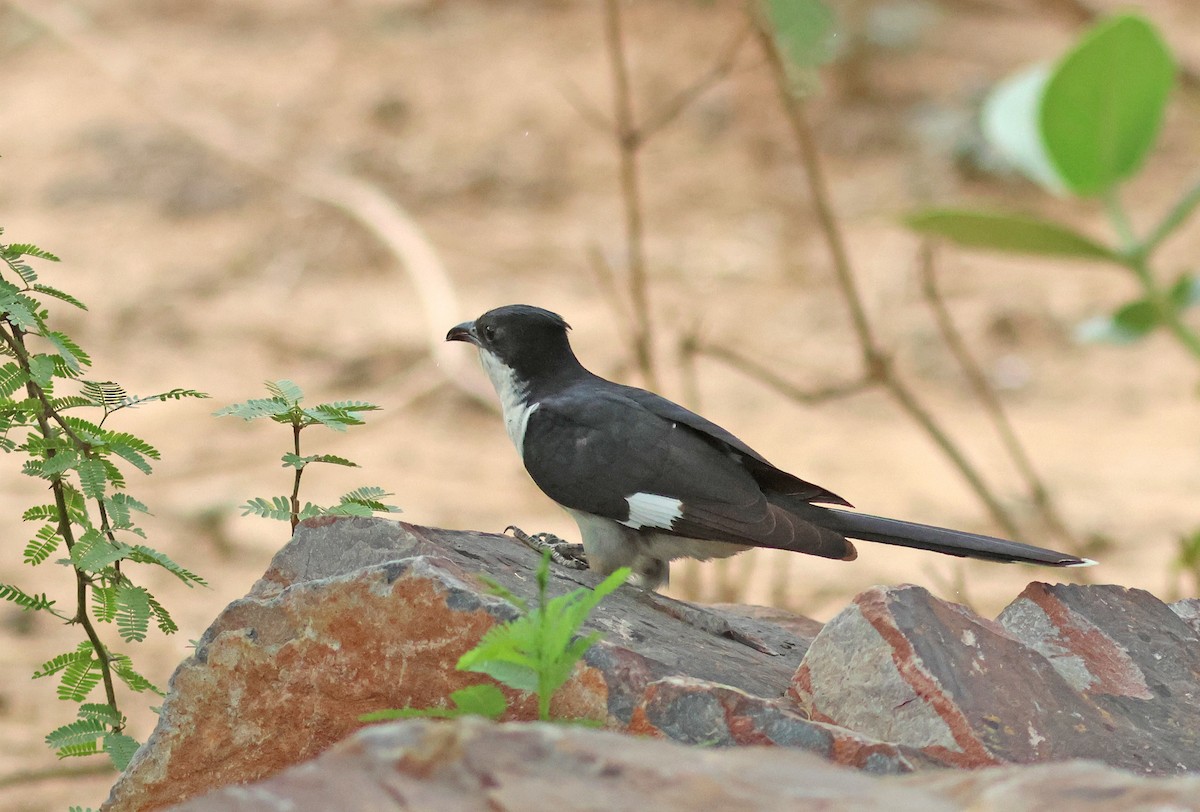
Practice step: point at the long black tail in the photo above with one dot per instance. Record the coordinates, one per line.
(938, 539)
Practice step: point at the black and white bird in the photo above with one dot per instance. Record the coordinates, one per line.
(649, 481)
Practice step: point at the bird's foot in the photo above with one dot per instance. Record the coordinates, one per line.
(562, 552)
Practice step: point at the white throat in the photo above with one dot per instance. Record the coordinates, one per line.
(513, 398)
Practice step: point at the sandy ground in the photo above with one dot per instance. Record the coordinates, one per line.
(201, 272)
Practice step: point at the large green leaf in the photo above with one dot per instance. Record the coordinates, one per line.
(1102, 106)
(1008, 232)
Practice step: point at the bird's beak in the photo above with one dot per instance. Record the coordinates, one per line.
(464, 332)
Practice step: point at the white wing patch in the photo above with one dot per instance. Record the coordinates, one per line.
(513, 398)
(652, 510)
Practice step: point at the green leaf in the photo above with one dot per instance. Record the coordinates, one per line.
(476, 700)
(18, 308)
(93, 478)
(9, 592)
(1008, 232)
(100, 711)
(133, 612)
(104, 603)
(68, 350)
(12, 378)
(480, 700)
(41, 370)
(285, 390)
(1185, 292)
(1103, 105)
(93, 552)
(1128, 324)
(26, 249)
(279, 508)
(804, 29)
(104, 393)
(123, 668)
(60, 295)
(255, 408)
(80, 731)
(79, 678)
(120, 749)
(166, 624)
(42, 545)
(1010, 122)
(53, 666)
(147, 555)
(369, 497)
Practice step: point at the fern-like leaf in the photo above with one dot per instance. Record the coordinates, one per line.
(133, 612)
(102, 712)
(255, 408)
(369, 497)
(104, 603)
(68, 350)
(12, 378)
(279, 508)
(53, 666)
(285, 390)
(78, 679)
(80, 731)
(42, 545)
(93, 478)
(120, 749)
(18, 308)
(166, 624)
(27, 249)
(107, 394)
(123, 668)
(146, 555)
(63, 296)
(9, 592)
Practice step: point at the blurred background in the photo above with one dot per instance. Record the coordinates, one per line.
(244, 190)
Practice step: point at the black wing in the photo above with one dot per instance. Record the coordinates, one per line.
(591, 449)
(764, 473)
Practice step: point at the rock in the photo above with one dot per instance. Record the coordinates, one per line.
(356, 615)
(1131, 655)
(1189, 610)
(1091, 672)
(474, 766)
(698, 712)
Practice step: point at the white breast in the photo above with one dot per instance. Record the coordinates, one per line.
(514, 400)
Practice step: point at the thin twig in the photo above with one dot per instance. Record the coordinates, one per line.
(983, 390)
(753, 369)
(686, 97)
(877, 365)
(629, 142)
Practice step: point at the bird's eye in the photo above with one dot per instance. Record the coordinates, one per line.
(489, 332)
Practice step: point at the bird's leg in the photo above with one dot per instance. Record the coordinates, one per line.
(562, 552)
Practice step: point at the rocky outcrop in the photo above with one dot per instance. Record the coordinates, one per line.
(357, 615)
(477, 766)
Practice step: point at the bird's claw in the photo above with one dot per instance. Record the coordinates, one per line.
(562, 552)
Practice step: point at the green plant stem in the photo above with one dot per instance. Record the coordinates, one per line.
(45, 413)
(1135, 258)
(1175, 217)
